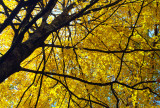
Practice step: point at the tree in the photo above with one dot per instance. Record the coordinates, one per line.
(79, 53)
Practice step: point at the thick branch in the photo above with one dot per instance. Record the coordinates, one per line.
(9, 63)
(103, 51)
(67, 76)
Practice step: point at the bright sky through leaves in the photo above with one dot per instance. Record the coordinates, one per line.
(80, 53)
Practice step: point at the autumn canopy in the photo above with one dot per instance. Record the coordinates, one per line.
(79, 53)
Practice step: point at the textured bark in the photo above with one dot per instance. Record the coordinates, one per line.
(10, 62)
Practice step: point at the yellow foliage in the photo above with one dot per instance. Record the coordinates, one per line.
(112, 46)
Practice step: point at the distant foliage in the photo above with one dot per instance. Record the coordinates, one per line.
(84, 53)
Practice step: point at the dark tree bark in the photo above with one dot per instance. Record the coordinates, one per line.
(10, 62)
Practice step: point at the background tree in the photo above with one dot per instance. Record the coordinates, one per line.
(79, 53)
